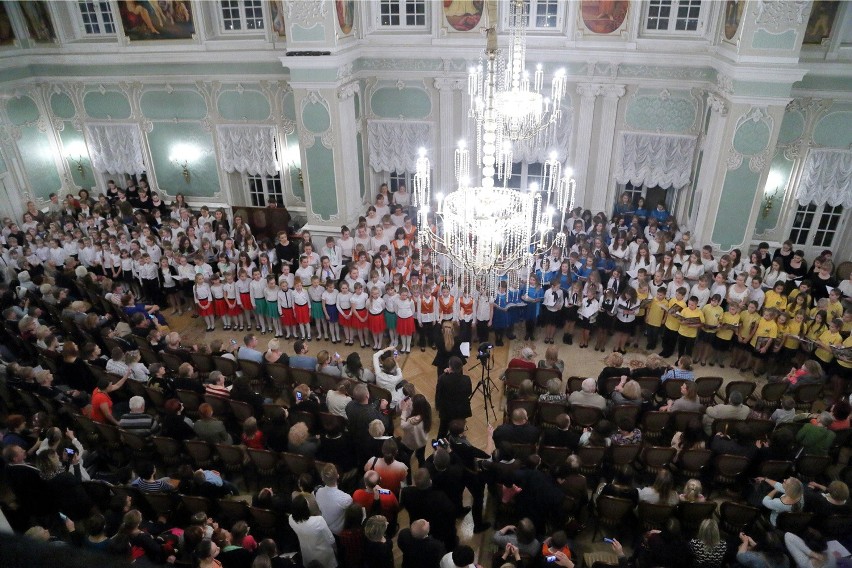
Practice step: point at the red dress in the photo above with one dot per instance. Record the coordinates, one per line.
(376, 323)
(205, 307)
(303, 313)
(220, 307)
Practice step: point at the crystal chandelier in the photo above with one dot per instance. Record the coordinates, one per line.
(483, 234)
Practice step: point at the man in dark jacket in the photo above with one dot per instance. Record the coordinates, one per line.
(422, 501)
(518, 431)
(359, 413)
(452, 395)
(419, 549)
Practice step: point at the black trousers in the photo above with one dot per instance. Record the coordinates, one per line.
(685, 346)
(427, 333)
(669, 342)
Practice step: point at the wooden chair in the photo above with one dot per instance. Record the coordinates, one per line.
(306, 377)
(264, 521)
(585, 416)
(232, 456)
(162, 503)
(327, 382)
(252, 371)
(240, 410)
(138, 445)
(611, 512)
(760, 428)
(233, 510)
(171, 361)
(653, 425)
(806, 395)
(609, 385)
(649, 384)
(227, 367)
(194, 504)
(332, 422)
(591, 458)
(775, 469)
(796, 523)
(553, 456)
(272, 411)
(625, 411)
(530, 406)
(745, 388)
(692, 462)
(707, 389)
(729, 468)
(157, 398)
(279, 374)
(377, 392)
(302, 416)
(297, 464)
(733, 517)
(836, 526)
(624, 455)
(149, 356)
(265, 463)
(168, 449)
(811, 467)
(682, 418)
(200, 452)
(656, 458)
(692, 514)
(725, 425)
(514, 378)
(574, 384)
(110, 436)
(203, 363)
(654, 516)
(548, 412)
(191, 401)
(671, 388)
(772, 393)
(100, 492)
(521, 451)
(543, 376)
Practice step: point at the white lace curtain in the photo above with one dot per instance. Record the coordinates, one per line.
(539, 148)
(826, 178)
(394, 144)
(663, 160)
(247, 148)
(115, 148)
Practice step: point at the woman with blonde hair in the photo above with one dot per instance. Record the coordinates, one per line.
(687, 402)
(708, 549)
(551, 360)
(300, 441)
(627, 392)
(448, 346)
(377, 548)
(692, 492)
(791, 498)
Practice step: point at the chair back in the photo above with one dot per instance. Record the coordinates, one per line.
(203, 363)
(836, 526)
(265, 461)
(303, 377)
(530, 406)
(271, 411)
(191, 400)
(232, 456)
(796, 523)
(553, 456)
(810, 467)
(543, 376)
(760, 428)
(252, 370)
(707, 388)
(327, 382)
(806, 395)
(729, 467)
(220, 405)
(226, 366)
(514, 378)
(200, 452)
(682, 418)
(194, 504)
(612, 510)
(657, 457)
(775, 469)
(149, 356)
(332, 422)
(162, 503)
(377, 392)
(233, 510)
(649, 384)
(241, 410)
(692, 514)
(609, 385)
(264, 520)
(692, 462)
(548, 412)
(297, 464)
(591, 458)
(654, 516)
(521, 451)
(625, 411)
(168, 449)
(624, 455)
(745, 388)
(574, 384)
(725, 425)
(671, 388)
(171, 361)
(772, 393)
(302, 416)
(734, 516)
(653, 424)
(157, 398)
(585, 416)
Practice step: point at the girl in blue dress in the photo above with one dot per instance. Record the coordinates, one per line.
(500, 319)
(532, 296)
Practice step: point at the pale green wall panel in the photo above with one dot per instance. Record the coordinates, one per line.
(315, 117)
(62, 106)
(323, 186)
(37, 155)
(3, 168)
(22, 110)
(651, 113)
(388, 102)
(180, 104)
(792, 127)
(110, 105)
(751, 137)
(248, 105)
(779, 171)
(204, 177)
(289, 106)
(834, 130)
(71, 137)
(316, 33)
(763, 39)
(735, 206)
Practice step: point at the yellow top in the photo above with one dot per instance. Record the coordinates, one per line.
(727, 319)
(814, 332)
(828, 338)
(747, 323)
(655, 311)
(641, 297)
(841, 362)
(835, 310)
(791, 329)
(773, 299)
(673, 323)
(765, 328)
(792, 297)
(712, 314)
(688, 330)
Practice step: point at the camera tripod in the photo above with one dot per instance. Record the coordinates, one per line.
(485, 385)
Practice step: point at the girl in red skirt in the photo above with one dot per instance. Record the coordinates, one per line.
(234, 312)
(220, 306)
(344, 307)
(359, 313)
(285, 310)
(302, 307)
(243, 286)
(204, 301)
(405, 320)
(376, 317)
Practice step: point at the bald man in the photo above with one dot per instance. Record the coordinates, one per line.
(419, 549)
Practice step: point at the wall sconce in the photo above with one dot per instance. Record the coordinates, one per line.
(774, 181)
(76, 152)
(181, 156)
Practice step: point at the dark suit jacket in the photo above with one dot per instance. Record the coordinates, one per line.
(32, 493)
(561, 438)
(452, 396)
(420, 553)
(434, 506)
(523, 434)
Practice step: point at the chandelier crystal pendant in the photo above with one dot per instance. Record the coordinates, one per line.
(482, 234)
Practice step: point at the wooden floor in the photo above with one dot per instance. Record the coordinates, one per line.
(417, 368)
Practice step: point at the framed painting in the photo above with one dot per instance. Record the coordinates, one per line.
(463, 15)
(604, 16)
(733, 14)
(821, 21)
(39, 25)
(157, 19)
(345, 15)
(7, 33)
(278, 18)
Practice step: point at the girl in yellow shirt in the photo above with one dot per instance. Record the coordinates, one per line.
(765, 333)
(788, 331)
(813, 331)
(742, 351)
(775, 298)
(713, 313)
(842, 372)
(654, 315)
(728, 326)
(828, 339)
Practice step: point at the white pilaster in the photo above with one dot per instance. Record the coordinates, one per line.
(348, 181)
(447, 86)
(602, 196)
(703, 211)
(585, 119)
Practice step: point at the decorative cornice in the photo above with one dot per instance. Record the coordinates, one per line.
(307, 14)
(717, 104)
(449, 83)
(348, 90)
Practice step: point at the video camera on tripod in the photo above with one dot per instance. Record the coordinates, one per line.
(483, 352)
